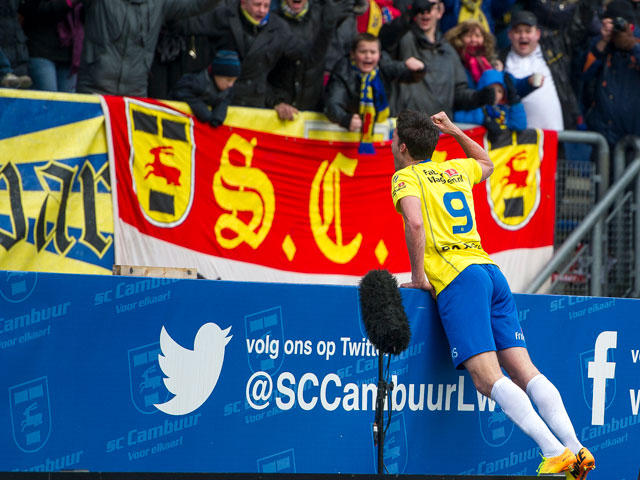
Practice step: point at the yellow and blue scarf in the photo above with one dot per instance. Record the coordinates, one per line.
(374, 106)
(253, 21)
(291, 14)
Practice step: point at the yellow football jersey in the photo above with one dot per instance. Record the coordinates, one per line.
(444, 189)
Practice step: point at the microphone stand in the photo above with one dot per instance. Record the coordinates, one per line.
(384, 388)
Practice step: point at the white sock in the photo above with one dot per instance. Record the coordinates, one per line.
(549, 402)
(517, 406)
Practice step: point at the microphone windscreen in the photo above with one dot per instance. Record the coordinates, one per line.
(383, 315)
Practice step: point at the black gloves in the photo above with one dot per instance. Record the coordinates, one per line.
(335, 11)
(512, 94)
(486, 96)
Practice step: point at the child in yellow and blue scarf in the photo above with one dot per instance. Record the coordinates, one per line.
(374, 106)
(356, 93)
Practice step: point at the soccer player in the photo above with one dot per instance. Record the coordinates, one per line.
(447, 259)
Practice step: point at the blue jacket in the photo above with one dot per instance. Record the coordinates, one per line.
(512, 117)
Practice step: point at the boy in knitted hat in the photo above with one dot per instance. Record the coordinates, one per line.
(208, 93)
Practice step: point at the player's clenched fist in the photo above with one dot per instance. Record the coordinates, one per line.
(444, 124)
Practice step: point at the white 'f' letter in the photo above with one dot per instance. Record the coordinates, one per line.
(601, 370)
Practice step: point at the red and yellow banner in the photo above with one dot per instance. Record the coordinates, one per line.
(241, 204)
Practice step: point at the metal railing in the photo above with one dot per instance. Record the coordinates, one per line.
(602, 154)
(610, 230)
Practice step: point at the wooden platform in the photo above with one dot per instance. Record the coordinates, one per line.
(164, 272)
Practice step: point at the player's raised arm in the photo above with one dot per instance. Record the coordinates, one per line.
(470, 147)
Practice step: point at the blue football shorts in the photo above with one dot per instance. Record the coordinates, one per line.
(479, 314)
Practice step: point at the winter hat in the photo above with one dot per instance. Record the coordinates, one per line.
(619, 8)
(226, 64)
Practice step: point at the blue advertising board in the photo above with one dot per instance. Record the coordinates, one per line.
(110, 373)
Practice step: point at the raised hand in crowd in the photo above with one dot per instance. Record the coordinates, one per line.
(617, 27)
(606, 30)
(336, 11)
(618, 31)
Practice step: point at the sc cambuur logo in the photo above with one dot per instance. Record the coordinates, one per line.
(162, 162)
(30, 414)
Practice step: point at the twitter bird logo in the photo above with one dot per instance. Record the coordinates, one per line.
(191, 375)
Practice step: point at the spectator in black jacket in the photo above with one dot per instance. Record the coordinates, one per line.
(261, 40)
(298, 84)
(181, 49)
(209, 92)
(345, 97)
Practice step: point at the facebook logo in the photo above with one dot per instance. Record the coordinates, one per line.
(600, 369)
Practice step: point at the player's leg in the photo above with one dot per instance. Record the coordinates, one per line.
(487, 376)
(465, 310)
(514, 358)
(542, 393)
(547, 399)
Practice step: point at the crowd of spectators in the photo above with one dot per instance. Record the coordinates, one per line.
(506, 64)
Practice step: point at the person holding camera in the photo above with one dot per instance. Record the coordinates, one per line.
(613, 62)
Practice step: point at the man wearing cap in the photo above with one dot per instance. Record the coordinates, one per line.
(209, 92)
(445, 86)
(614, 62)
(554, 105)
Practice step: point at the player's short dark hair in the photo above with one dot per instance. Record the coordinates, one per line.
(363, 37)
(418, 133)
